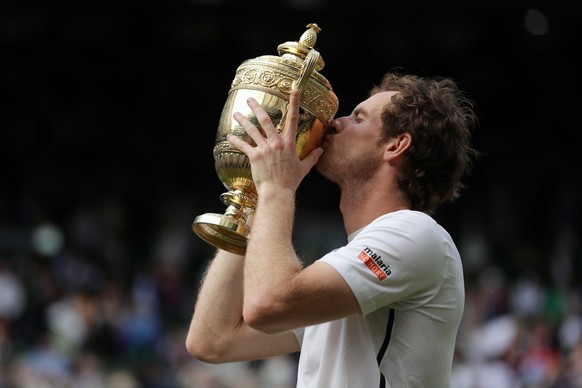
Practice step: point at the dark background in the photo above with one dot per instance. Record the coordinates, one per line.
(121, 99)
(108, 116)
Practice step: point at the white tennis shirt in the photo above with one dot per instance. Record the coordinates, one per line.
(406, 273)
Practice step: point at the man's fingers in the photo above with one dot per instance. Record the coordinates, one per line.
(311, 160)
(238, 143)
(249, 127)
(291, 120)
(292, 114)
(262, 117)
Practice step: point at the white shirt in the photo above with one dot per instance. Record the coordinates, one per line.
(407, 276)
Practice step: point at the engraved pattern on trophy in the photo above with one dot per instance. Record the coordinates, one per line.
(268, 79)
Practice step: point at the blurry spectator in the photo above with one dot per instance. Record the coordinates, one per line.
(42, 366)
(12, 293)
(570, 330)
(538, 365)
(12, 305)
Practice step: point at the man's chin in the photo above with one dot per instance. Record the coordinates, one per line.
(323, 168)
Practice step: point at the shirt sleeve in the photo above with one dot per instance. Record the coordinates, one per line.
(396, 260)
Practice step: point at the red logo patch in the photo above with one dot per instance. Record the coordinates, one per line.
(374, 263)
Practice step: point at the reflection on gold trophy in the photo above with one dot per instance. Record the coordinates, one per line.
(268, 79)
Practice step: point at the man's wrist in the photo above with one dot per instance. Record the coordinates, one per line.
(274, 193)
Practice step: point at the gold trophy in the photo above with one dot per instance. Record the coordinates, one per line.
(268, 79)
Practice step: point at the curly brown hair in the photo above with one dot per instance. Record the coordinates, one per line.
(440, 119)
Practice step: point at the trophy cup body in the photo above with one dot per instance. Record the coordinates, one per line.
(269, 80)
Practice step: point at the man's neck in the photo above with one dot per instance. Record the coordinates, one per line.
(362, 205)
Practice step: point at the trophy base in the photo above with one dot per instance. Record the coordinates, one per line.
(222, 231)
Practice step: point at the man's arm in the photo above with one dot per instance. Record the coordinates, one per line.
(280, 294)
(217, 331)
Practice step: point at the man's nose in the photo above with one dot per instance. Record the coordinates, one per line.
(335, 126)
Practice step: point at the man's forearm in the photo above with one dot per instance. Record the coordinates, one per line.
(218, 310)
(271, 263)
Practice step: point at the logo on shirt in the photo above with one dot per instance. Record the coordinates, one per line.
(374, 263)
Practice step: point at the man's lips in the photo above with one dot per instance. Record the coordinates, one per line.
(326, 140)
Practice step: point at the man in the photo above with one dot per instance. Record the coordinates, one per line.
(383, 310)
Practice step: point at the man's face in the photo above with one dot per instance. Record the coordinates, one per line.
(352, 149)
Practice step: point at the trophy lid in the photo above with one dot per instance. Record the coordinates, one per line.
(301, 49)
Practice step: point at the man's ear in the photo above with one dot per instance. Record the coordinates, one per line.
(396, 146)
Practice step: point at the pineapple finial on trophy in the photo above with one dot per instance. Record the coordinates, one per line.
(309, 37)
(298, 51)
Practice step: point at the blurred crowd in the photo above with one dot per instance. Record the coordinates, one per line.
(80, 308)
(76, 310)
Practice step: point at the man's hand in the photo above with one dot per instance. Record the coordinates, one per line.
(274, 160)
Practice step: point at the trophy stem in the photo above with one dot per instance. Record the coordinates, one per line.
(228, 231)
